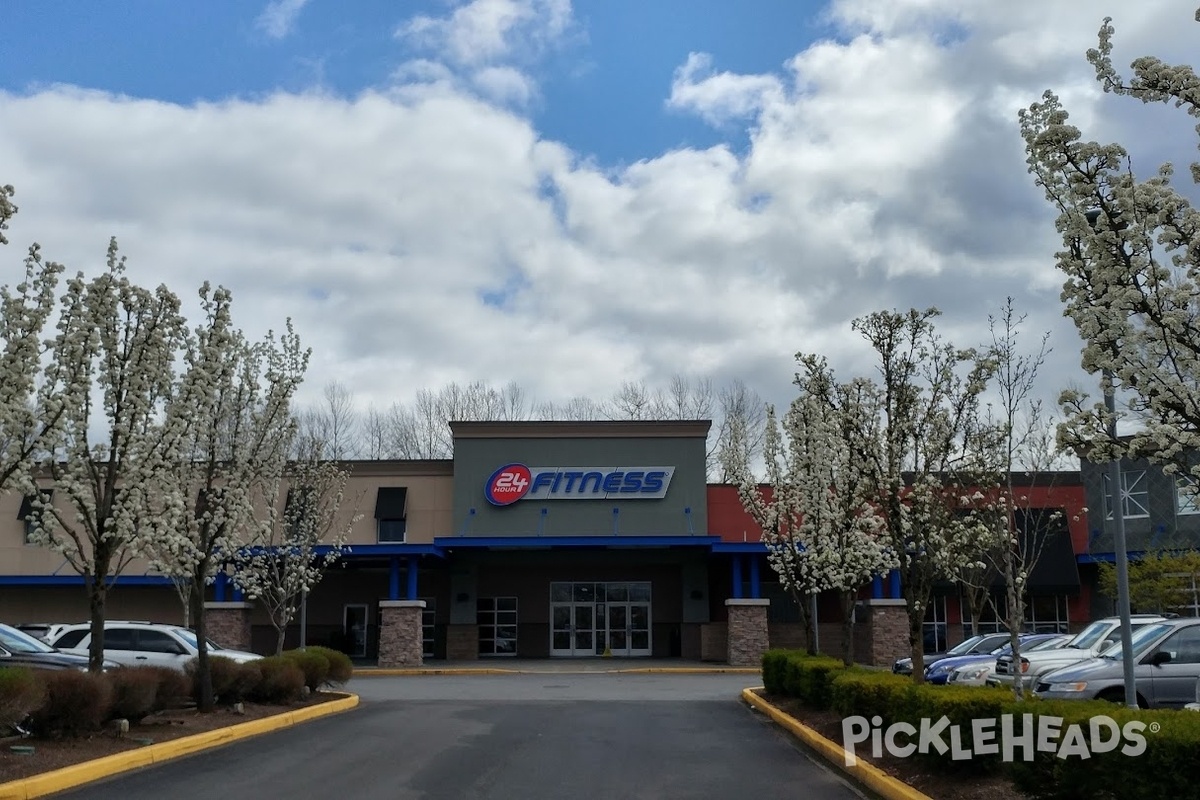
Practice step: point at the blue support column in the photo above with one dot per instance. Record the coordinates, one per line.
(394, 578)
(237, 595)
(737, 577)
(894, 584)
(755, 586)
(220, 586)
(410, 567)
(877, 587)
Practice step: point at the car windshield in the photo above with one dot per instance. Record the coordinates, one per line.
(964, 647)
(190, 637)
(1142, 638)
(1089, 635)
(15, 641)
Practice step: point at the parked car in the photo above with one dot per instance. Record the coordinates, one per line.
(976, 644)
(46, 631)
(19, 649)
(1166, 668)
(976, 673)
(940, 671)
(145, 644)
(1090, 642)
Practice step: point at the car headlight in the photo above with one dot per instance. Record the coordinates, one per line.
(972, 673)
(1074, 686)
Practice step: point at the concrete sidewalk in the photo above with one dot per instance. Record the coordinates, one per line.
(514, 666)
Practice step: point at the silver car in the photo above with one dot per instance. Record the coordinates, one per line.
(1166, 669)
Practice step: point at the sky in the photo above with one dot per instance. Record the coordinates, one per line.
(568, 195)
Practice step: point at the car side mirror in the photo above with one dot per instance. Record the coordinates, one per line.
(1160, 658)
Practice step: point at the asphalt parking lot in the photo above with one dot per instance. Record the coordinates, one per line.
(509, 737)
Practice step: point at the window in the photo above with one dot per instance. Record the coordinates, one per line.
(1135, 495)
(1184, 646)
(1046, 614)
(988, 621)
(497, 620)
(935, 625)
(428, 627)
(391, 511)
(1187, 495)
(118, 639)
(70, 639)
(29, 515)
(158, 642)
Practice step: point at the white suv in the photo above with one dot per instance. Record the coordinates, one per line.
(135, 644)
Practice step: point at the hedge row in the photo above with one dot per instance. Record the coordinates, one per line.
(1150, 757)
(71, 703)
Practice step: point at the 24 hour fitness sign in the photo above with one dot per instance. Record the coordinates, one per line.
(514, 482)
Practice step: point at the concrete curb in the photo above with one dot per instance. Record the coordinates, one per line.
(872, 777)
(60, 780)
(387, 672)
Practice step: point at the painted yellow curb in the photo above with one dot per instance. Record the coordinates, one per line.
(872, 777)
(70, 777)
(396, 671)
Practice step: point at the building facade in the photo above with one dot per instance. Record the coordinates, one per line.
(546, 540)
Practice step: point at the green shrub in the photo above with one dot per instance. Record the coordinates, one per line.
(134, 692)
(794, 673)
(245, 682)
(869, 694)
(75, 703)
(341, 668)
(21, 691)
(313, 664)
(1158, 772)
(282, 681)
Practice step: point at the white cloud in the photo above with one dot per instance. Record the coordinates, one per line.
(279, 17)
(720, 97)
(884, 170)
(489, 31)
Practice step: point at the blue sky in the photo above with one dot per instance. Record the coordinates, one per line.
(569, 196)
(603, 87)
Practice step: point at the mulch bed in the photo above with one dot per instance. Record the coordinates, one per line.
(52, 754)
(937, 785)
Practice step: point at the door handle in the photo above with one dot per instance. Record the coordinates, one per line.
(140, 658)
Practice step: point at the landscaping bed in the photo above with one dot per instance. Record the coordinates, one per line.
(52, 754)
(937, 785)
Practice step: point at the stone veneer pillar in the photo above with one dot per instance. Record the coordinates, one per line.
(887, 632)
(400, 637)
(462, 643)
(228, 624)
(747, 637)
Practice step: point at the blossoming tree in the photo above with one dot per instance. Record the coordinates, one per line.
(229, 426)
(920, 459)
(1131, 257)
(289, 551)
(108, 379)
(24, 312)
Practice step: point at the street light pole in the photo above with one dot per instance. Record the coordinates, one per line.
(1119, 551)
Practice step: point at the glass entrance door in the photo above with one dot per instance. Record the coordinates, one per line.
(572, 629)
(592, 619)
(629, 629)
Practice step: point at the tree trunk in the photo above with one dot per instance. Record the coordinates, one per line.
(804, 603)
(97, 596)
(916, 642)
(849, 600)
(205, 701)
(280, 635)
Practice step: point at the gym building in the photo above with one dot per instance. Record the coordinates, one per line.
(545, 540)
